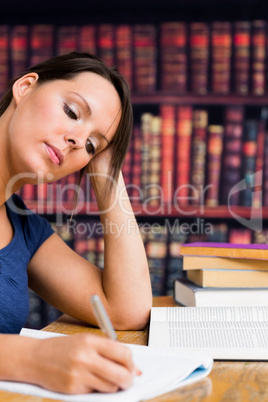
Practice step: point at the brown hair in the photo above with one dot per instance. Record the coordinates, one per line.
(66, 67)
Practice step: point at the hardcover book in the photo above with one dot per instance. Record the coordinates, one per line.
(202, 262)
(187, 293)
(214, 153)
(255, 251)
(174, 60)
(228, 278)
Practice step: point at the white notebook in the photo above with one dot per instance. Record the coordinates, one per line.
(162, 371)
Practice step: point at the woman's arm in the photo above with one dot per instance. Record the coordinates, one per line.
(67, 280)
(126, 280)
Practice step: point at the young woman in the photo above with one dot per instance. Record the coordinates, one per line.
(67, 114)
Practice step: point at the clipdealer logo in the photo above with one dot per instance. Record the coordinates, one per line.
(253, 184)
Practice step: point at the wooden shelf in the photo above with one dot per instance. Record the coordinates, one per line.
(160, 97)
(169, 211)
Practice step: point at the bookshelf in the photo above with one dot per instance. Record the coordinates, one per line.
(159, 97)
(65, 26)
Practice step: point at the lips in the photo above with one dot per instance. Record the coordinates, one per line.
(54, 154)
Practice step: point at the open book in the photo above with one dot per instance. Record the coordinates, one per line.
(226, 333)
(162, 371)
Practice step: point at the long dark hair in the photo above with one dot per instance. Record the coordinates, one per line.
(66, 67)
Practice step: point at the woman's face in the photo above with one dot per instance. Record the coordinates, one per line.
(57, 128)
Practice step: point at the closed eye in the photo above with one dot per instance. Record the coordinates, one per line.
(90, 147)
(70, 113)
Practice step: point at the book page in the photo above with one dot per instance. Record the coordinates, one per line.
(210, 314)
(225, 332)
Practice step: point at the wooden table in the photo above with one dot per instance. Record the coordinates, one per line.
(227, 382)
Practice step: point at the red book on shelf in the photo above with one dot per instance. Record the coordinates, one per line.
(41, 43)
(232, 151)
(240, 236)
(173, 53)
(106, 43)
(67, 39)
(199, 57)
(4, 58)
(214, 153)
(123, 51)
(144, 53)
(241, 45)
(87, 41)
(19, 42)
(221, 51)
(136, 164)
(258, 50)
(167, 113)
(199, 151)
(183, 153)
(28, 192)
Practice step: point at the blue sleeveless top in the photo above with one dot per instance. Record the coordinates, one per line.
(30, 231)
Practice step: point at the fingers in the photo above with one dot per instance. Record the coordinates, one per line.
(113, 362)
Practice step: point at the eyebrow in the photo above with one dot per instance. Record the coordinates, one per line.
(89, 112)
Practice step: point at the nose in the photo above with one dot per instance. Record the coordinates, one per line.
(74, 140)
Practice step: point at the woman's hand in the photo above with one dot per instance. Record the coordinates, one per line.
(82, 363)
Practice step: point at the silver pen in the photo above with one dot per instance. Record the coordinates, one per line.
(102, 317)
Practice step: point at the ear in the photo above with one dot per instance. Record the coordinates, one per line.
(23, 85)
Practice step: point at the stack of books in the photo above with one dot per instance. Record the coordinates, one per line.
(223, 274)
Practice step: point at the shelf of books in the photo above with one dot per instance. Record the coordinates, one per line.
(197, 166)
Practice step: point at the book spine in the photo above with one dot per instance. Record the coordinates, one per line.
(199, 57)
(123, 46)
(146, 126)
(173, 50)
(87, 40)
(136, 193)
(214, 151)
(240, 236)
(265, 170)
(257, 200)
(241, 42)
(19, 47)
(66, 39)
(258, 50)
(199, 150)
(154, 192)
(4, 58)
(221, 52)
(174, 268)
(41, 43)
(249, 152)
(232, 150)
(144, 42)
(167, 113)
(183, 153)
(106, 43)
(156, 251)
